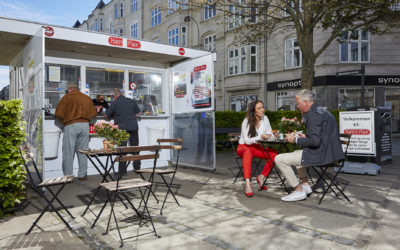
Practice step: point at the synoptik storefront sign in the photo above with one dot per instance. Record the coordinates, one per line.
(348, 80)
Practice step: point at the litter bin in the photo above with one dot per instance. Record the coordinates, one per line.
(154, 133)
(51, 141)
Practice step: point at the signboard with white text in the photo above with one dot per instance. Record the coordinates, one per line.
(360, 124)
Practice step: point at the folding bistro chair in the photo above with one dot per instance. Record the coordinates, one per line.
(325, 178)
(37, 184)
(115, 188)
(234, 141)
(173, 144)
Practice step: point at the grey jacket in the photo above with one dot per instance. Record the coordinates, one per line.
(124, 111)
(322, 143)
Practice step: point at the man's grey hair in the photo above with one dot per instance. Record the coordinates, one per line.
(117, 92)
(306, 95)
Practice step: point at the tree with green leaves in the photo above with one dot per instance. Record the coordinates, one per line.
(263, 18)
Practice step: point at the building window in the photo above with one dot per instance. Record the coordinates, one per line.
(121, 32)
(97, 24)
(183, 36)
(155, 17)
(111, 28)
(293, 7)
(134, 30)
(173, 36)
(209, 42)
(172, 6)
(354, 47)
(237, 61)
(115, 11)
(253, 58)
(101, 23)
(134, 5)
(210, 10)
(292, 54)
(286, 100)
(349, 98)
(157, 40)
(121, 7)
(236, 16)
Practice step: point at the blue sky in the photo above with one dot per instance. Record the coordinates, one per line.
(56, 12)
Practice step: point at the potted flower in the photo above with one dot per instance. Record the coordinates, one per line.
(291, 125)
(111, 133)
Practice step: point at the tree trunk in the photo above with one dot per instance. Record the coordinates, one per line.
(307, 72)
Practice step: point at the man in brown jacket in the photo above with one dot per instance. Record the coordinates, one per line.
(75, 110)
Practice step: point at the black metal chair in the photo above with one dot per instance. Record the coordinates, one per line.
(234, 141)
(115, 188)
(173, 144)
(330, 182)
(37, 184)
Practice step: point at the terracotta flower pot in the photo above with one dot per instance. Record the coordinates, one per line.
(108, 145)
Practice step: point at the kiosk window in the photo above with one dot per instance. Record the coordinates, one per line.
(146, 88)
(103, 81)
(56, 79)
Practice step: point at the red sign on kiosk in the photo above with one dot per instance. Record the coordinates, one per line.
(200, 68)
(133, 44)
(132, 85)
(181, 51)
(115, 41)
(48, 31)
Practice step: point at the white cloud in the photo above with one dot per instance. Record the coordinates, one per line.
(19, 10)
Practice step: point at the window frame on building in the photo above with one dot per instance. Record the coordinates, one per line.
(155, 16)
(210, 10)
(235, 18)
(348, 44)
(116, 11)
(291, 50)
(121, 8)
(209, 42)
(253, 56)
(173, 36)
(237, 61)
(101, 23)
(134, 30)
(184, 36)
(134, 6)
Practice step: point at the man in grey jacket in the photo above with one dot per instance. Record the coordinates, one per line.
(124, 111)
(321, 145)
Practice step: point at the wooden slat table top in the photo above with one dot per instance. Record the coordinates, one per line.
(56, 181)
(125, 184)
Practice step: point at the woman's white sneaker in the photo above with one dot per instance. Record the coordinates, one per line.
(295, 196)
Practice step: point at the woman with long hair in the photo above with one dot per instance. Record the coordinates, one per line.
(255, 127)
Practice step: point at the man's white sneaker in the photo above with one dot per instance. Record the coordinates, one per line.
(307, 189)
(295, 196)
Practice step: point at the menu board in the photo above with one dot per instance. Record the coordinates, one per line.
(192, 83)
(360, 124)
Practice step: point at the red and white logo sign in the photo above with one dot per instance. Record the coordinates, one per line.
(115, 41)
(200, 68)
(133, 44)
(357, 131)
(132, 85)
(48, 31)
(91, 129)
(181, 51)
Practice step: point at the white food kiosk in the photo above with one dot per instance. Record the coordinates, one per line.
(172, 85)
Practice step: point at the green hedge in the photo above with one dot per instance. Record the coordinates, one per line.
(233, 119)
(12, 171)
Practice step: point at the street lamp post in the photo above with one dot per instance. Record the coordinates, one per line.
(188, 19)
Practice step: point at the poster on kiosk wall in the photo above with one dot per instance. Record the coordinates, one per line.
(192, 85)
(360, 124)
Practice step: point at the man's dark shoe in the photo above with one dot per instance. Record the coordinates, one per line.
(84, 178)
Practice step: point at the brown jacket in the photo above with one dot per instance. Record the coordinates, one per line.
(75, 107)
